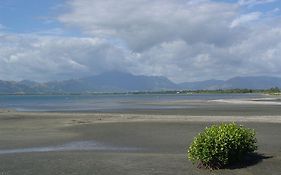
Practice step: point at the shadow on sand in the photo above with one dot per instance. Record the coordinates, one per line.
(249, 160)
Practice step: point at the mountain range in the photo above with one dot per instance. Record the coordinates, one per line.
(125, 82)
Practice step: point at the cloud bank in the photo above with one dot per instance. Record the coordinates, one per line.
(51, 58)
(184, 40)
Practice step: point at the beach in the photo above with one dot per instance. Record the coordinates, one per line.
(130, 87)
(128, 142)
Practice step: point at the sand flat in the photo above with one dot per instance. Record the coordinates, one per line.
(162, 140)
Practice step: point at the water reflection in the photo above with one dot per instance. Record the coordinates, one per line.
(72, 146)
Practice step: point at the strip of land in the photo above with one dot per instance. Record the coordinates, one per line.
(259, 101)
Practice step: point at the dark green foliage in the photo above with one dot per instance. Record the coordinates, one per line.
(221, 145)
(274, 90)
(218, 91)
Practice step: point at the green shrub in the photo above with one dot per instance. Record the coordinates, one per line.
(221, 145)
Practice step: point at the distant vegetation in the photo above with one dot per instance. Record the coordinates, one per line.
(271, 91)
(239, 91)
(274, 90)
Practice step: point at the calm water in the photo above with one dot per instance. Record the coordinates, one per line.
(103, 102)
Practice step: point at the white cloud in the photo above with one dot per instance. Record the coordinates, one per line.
(255, 55)
(245, 18)
(145, 23)
(254, 2)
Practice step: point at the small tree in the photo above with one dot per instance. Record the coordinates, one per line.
(274, 90)
(221, 145)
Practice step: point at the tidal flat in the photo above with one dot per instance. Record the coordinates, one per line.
(128, 142)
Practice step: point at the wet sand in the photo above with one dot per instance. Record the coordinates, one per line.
(123, 143)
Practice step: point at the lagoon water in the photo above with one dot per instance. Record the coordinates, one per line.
(105, 102)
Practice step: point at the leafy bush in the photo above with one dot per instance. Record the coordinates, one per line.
(221, 145)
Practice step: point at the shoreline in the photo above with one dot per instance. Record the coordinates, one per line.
(255, 101)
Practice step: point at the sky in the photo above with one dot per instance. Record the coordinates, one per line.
(183, 40)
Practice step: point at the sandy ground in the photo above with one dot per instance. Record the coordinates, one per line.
(134, 144)
(260, 101)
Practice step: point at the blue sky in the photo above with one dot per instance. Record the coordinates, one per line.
(184, 40)
(28, 15)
